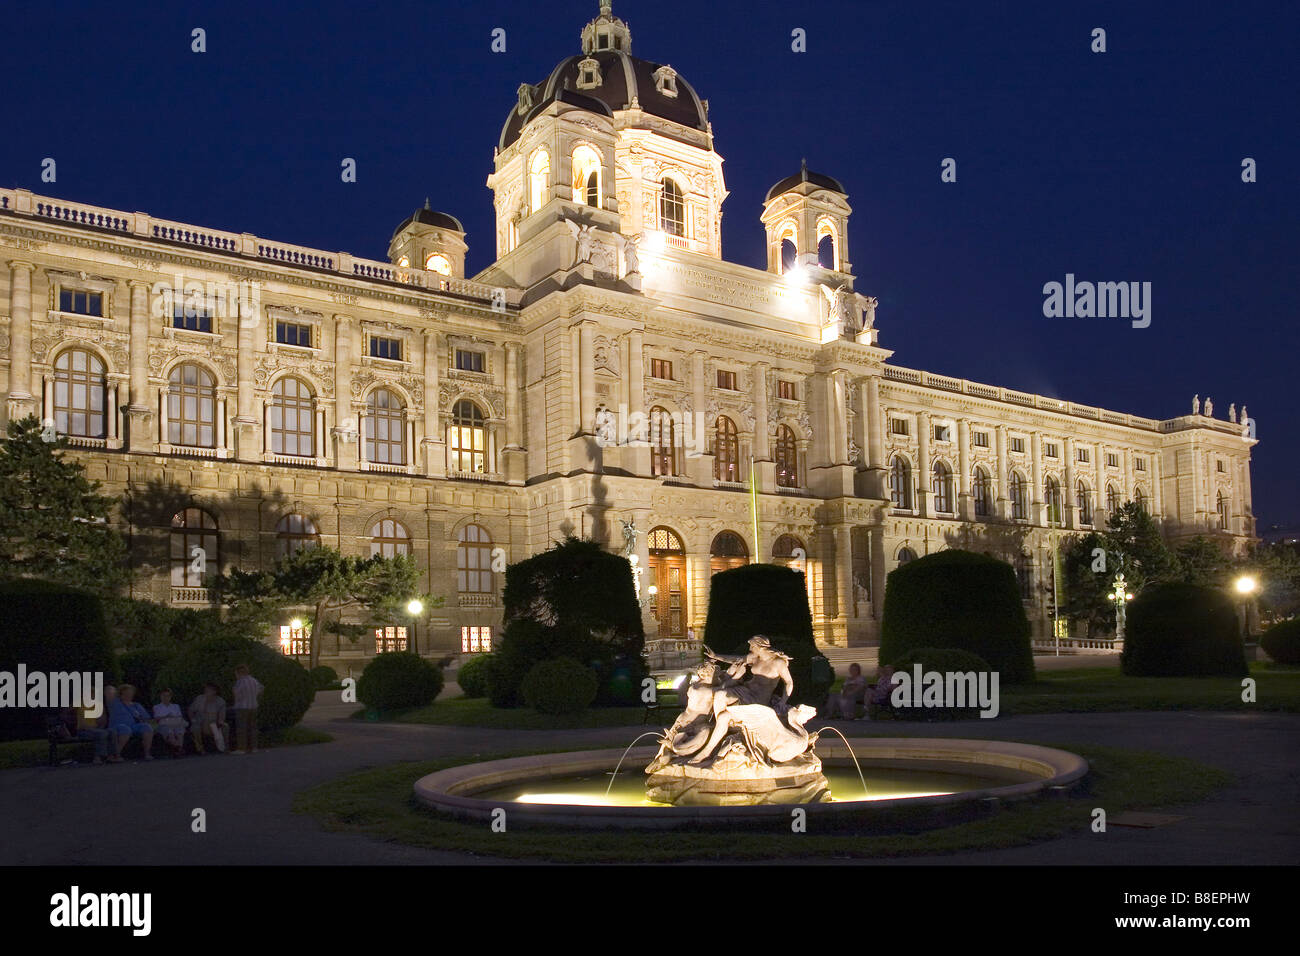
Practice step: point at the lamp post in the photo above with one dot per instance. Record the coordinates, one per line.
(1121, 597)
(1246, 586)
(415, 607)
(295, 637)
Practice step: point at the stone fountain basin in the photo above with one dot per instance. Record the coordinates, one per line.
(1031, 771)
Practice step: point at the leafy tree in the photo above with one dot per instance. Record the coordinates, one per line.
(328, 582)
(1205, 563)
(1084, 590)
(54, 524)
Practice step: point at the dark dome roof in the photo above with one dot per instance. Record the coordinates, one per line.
(623, 78)
(430, 217)
(803, 176)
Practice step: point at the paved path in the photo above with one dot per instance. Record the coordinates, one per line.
(140, 813)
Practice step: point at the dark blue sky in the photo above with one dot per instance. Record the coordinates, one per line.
(1115, 166)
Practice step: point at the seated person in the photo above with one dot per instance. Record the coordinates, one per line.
(73, 724)
(170, 723)
(208, 719)
(127, 718)
(878, 700)
(853, 693)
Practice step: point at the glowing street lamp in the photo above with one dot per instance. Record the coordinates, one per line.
(1121, 597)
(1246, 586)
(415, 607)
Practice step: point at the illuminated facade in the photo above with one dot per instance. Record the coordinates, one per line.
(250, 396)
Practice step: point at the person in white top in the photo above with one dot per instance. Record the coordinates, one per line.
(171, 723)
(248, 692)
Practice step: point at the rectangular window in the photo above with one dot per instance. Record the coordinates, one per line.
(81, 303)
(294, 641)
(727, 380)
(385, 348)
(661, 368)
(1219, 465)
(388, 639)
(1112, 460)
(293, 333)
(476, 640)
(1139, 464)
(785, 389)
(979, 439)
(1050, 449)
(1018, 445)
(943, 433)
(898, 426)
(1083, 455)
(469, 360)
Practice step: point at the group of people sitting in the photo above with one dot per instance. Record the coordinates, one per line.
(123, 718)
(856, 692)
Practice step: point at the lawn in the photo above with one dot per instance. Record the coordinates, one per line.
(379, 803)
(477, 712)
(35, 753)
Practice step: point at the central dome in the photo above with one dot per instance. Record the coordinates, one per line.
(609, 75)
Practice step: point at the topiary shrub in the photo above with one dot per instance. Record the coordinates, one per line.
(289, 691)
(574, 600)
(770, 600)
(473, 675)
(958, 599)
(1282, 642)
(1182, 630)
(559, 686)
(141, 666)
(323, 677)
(944, 660)
(398, 680)
(49, 627)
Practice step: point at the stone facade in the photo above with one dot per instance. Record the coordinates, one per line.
(288, 392)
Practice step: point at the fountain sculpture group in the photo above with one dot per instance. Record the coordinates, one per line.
(738, 741)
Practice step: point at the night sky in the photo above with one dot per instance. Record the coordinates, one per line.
(1122, 166)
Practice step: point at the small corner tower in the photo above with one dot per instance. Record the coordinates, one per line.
(807, 221)
(432, 240)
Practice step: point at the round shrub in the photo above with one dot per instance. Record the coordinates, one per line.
(140, 667)
(1282, 642)
(473, 675)
(559, 686)
(958, 599)
(323, 677)
(944, 660)
(288, 694)
(398, 680)
(1182, 630)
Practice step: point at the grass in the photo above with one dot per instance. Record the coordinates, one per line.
(35, 753)
(379, 803)
(477, 712)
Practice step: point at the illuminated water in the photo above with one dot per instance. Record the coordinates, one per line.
(628, 789)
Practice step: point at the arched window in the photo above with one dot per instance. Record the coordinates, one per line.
(726, 450)
(1083, 498)
(789, 551)
(389, 538)
(663, 442)
(293, 418)
(672, 209)
(191, 407)
(474, 560)
(586, 176)
(942, 488)
(194, 528)
(828, 245)
(1019, 494)
(1052, 496)
(900, 483)
(468, 446)
(1221, 505)
(905, 555)
(668, 578)
(539, 179)
(1024, 576)
(294, 533)
(1112, 500)
(787, 457)
(1140, 499)
(787, 239)
(80, 394)
(983, 492)
(727, 551)
(438, 263)
(385, 428)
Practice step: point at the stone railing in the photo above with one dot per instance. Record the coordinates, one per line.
(24, 202)
(191, 596)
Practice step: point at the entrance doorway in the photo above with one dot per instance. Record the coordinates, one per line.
(668, 577)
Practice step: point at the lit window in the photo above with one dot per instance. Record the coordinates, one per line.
(475, 640)
(390, 639)
(293, 419)
(474, 560)
(586, 176)
(900, 483)
(294, 641)
(726, 450)
(191, 407)
(81, 394)
(672, 210)
(787, 458)
(663, 442)
(468, 446)
(539, 179)
(1052, 495)
(438, 263)
(1083, 497)
(385, 428)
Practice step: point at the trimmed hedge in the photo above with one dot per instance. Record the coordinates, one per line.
(49, 627)
(323, 677)
(958, 599)
(1282, 642)
(559, 686)
(770, 600)
(945, 660)
(1183, 630)
(473, 675)
(141, 667)
(289, 690)
(398, 680)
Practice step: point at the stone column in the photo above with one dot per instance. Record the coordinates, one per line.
(844, 575)
(347, 454)
(1036, 478)
(1003, 479)
(247, 422)
(636, 374)
(20, 402)
(1067, 492)
(513, 455)
(435, 444)
(873, 413)
(965, 505)
(140, 410)
(923, 464)
(587, 371)
(1098, 484)
(762, 437)
(878, 572)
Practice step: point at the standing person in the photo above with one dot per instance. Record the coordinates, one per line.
(248, 691)
(208, 716)
(171, 724)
